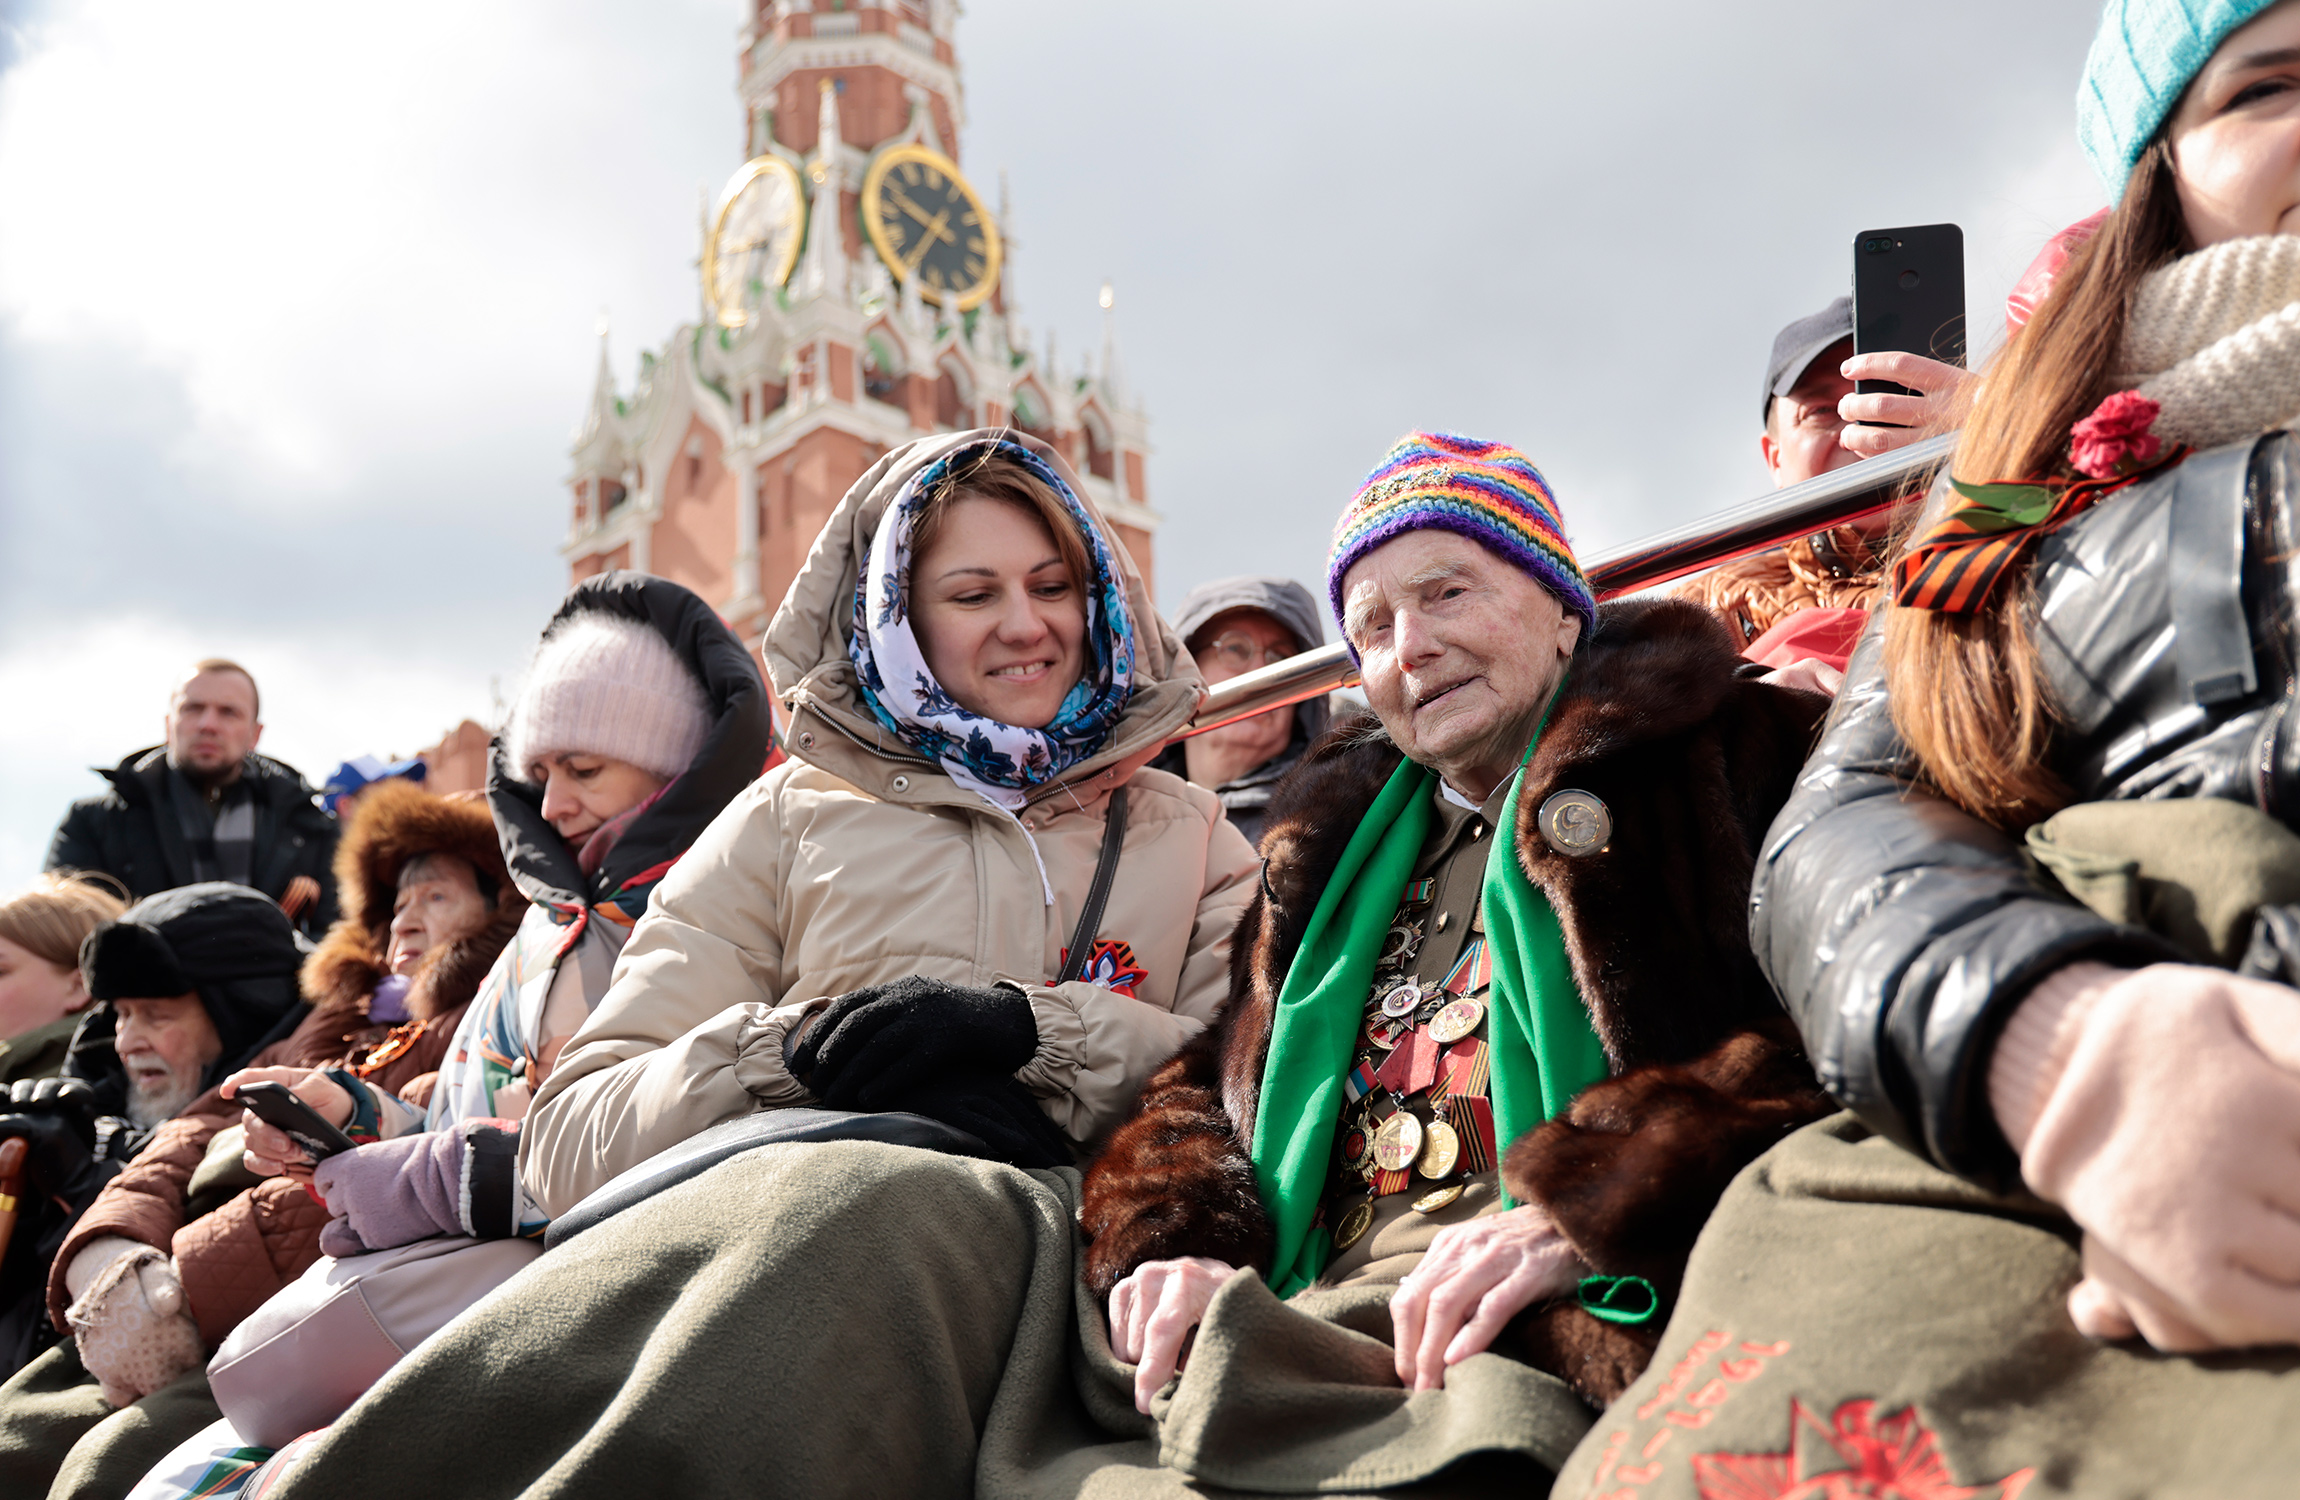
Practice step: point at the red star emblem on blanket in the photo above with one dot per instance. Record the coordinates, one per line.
(1853, 1455)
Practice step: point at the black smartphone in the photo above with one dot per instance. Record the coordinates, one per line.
(1909, 297)
(276, 1104)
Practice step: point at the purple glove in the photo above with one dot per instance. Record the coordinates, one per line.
(392, 1192)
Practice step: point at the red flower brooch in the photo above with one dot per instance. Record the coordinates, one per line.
(2115, 438)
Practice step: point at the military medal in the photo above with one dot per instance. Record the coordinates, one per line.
(1444, 1197)
(1456, 1021)
(1387, 1032)
(1575, 823)
(1398, 1142)
(1356, 1148)
(1355, 1223)
(1441, 1149)
(1402, 1001)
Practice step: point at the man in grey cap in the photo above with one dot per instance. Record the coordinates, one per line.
(1810, 404)
(1232, 626)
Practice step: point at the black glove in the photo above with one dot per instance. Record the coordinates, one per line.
(72, 1099)
(995, 1107)
(874, 1044)
(55, 1117)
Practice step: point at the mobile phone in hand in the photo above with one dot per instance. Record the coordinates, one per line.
(276, 1104)
(1908, 297)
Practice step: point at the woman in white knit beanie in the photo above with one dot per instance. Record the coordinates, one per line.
(609, 715)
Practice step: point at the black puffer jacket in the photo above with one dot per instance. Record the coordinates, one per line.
(132, 833)
(1901, 931)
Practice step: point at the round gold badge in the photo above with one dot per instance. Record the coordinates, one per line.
(1402, 1000)
(1456, 1021)
(1441, 1149)
(1354, 1224)
(1398, 1142)
(1388, 1032)
(1575, 823)
(1430, 1203)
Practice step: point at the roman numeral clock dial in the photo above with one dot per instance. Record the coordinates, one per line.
(928, 225)
(754, 239)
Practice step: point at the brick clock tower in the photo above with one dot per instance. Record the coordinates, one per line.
(857, 292)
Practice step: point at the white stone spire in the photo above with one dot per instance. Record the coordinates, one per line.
(603, 398)
(826, 274)
(1113, 384)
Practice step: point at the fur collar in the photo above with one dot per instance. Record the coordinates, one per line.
(1689, 758)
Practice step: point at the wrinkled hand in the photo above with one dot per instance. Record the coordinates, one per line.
(134, 1330)
(995, 1107)
(271, 1151)
(1476, 1277)
(1152, 1313)
(392, 1192)
(56, 1120)
(2172, 1136)
(1938, 386)
(874, 1044)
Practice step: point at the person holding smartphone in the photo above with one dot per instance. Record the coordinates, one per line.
(1798, 608)
(2032, 903)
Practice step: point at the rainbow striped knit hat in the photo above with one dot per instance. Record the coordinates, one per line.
(1488, 492)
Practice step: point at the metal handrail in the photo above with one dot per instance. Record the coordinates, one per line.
(1847, 494)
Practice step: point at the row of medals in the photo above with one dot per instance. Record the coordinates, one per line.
(1402, 1140)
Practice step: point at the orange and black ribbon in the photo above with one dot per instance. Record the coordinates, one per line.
(1958, 565)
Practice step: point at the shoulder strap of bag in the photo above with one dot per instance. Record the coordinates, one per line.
(1098, 894)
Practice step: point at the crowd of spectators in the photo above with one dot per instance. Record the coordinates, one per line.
(1833, 1019)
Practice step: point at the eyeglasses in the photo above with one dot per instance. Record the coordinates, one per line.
(1239, 652)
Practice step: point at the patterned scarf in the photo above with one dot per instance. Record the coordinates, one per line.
(2211, 355)
(902, 693)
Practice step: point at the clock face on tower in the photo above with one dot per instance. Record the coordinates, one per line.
(754, 239)
(928, 226)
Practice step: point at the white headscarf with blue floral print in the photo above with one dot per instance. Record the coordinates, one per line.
(1001, 761)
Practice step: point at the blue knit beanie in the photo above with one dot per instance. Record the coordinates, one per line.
(2142, 58)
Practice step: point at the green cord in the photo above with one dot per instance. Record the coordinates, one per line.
(1628, 1300)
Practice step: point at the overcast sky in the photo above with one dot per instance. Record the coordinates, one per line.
(298, 303)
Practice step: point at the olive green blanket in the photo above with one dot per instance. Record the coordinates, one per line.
(869, 1320)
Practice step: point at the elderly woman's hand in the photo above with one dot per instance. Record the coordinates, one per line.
(1938, 387)
(270, 1152)
(2161, 1108)
(1476, 1277)
(1152, 1313)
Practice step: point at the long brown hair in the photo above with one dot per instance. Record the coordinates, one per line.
(1968, 693)
(54, 915)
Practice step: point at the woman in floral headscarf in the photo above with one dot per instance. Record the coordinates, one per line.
(972, 674)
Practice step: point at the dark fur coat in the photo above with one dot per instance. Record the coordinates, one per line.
(1693, 762)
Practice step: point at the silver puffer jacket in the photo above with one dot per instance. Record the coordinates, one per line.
(1901, 931)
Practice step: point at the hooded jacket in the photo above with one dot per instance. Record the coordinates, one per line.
(1247, 799)
(234, 1255)
(132, 834)
(582, 917)
(859, 861)
(1692, 761)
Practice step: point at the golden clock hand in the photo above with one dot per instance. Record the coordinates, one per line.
(925, 243)
(934, 226)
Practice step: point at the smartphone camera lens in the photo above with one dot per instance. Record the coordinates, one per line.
(1877, 244)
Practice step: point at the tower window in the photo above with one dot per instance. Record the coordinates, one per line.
(611, 496)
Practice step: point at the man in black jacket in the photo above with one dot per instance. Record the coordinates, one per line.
(206, 806)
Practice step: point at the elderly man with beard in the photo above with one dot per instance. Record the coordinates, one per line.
(187, 985)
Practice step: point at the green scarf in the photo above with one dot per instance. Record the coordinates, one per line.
(1544, 1049)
